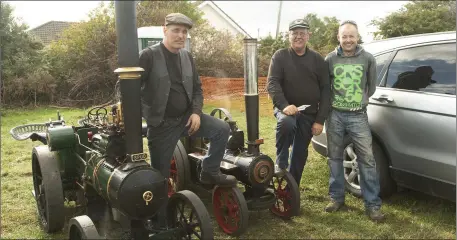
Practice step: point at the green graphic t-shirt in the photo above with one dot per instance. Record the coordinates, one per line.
(352, 79)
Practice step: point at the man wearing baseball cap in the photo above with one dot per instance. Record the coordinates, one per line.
(172, 102)
(298, 76)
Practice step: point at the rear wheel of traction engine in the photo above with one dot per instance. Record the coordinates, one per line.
(47, 186)
(222, 114)
(82, 227)
(231, 210)
(186, 210)
(179, 170)
(287, 194)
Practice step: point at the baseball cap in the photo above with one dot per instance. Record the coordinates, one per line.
(298, 23)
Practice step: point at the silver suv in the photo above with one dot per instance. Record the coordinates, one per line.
(411, 115)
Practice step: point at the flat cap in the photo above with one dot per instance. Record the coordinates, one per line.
(179, 19)
(298, 23)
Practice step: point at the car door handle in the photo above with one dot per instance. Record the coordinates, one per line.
(382, 98)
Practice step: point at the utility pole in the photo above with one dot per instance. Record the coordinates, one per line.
(279, 19)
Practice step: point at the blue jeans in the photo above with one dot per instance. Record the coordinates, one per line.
(355, 124)
(295, 131)
(162, 142)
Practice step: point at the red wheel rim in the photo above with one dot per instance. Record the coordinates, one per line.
(227, 210)
(282, 206)
(173, 179)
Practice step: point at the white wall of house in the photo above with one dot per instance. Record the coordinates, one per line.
(217, 20)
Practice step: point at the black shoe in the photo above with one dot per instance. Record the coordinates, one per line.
(334, 206)
(217, 179)
(375, 215)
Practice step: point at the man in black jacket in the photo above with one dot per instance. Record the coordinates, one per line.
(172, 102)
(298, 83)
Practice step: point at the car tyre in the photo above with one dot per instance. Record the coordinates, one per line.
(387, 184)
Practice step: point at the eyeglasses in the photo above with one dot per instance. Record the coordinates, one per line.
(300, 34)
(348, 21)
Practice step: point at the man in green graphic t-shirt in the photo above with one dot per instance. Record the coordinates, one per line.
(353, 80)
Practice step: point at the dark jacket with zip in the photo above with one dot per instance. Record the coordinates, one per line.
(155, 84)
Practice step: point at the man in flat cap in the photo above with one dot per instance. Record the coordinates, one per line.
(172, 104)
(297, 77)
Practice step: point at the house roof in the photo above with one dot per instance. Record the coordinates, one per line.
(50, 31)
(225, 16)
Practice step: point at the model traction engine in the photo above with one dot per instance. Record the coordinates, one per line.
(100, 165)
(259, 187)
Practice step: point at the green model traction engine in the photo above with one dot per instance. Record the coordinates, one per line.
(99, 170)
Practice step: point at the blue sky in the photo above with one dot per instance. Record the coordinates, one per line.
(258, 18)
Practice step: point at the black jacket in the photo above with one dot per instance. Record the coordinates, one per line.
(300, 80)
(155, 83)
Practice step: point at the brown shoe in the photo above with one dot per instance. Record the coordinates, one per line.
(334, 206)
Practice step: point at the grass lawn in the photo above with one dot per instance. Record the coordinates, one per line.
(410, 214)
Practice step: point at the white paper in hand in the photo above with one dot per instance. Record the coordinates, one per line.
(303, 107)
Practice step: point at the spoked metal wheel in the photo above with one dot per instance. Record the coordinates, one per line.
(231, 210)
(47, 186)
(287, 194)
(222, 114)
(351, 170)
(186, 211)
(179, 170)
(82, 227)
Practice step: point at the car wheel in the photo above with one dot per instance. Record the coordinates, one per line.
(351, 169)
(352, 174)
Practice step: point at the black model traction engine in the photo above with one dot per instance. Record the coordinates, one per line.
(259, 187)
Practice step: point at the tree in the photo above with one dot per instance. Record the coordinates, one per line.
(217, 53)
(267, 47)
(22, 62)
(417, 17)
(152, 13)
(324, 33)
(84, 59)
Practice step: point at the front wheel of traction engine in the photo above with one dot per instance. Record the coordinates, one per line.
(231, 210)
(48, 191)
(187, 211)
(287, 194)
(82, 227)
